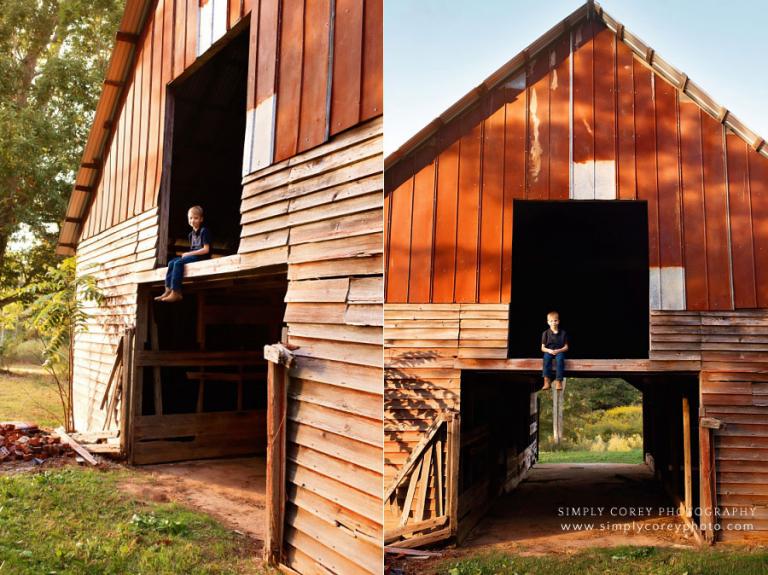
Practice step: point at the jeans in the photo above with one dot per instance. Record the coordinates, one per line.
(176, 271)
(559, 365)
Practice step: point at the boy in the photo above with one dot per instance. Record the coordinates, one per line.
(554, 344)
(199, 249)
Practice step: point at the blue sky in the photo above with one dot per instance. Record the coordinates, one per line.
(435, 51)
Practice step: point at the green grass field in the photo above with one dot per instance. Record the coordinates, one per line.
(28, 393)
(78, 522)
(583, 456)
(617, 561)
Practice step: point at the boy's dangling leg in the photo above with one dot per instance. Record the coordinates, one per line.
(559, 370)
(547, 371)
(176, 276)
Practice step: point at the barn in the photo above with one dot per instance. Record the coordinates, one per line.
(268, 113)
(590, 176)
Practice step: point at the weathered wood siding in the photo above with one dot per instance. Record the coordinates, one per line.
(113, 257)
(321, 211)
(584, 119)
(312, 96)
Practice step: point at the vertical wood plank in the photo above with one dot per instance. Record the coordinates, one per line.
(193, 7)
(605, 114)
(234, 8)
(740, 214)
(263, 137)
(687, 468)
(758, 180)
(180, 36)
(583, 112)
(492, 209)
(514, 180)
(114, 184)
(559, 121)
(695, 247)
(718, 260)
(420, 273)
(645, 129)
(626, 129)
(468, 216)
(314, 84)
(446, 213)
(276, 439)
(289, 83)
(400, 243)
(153, 152)
(146, 101)
(371, 98)
(347, 69)
(537, 165)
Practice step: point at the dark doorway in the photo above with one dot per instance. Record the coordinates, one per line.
(206, 129)
(589, 261)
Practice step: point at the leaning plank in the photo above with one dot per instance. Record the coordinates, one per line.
(424, 487)
(118, 359)
(419, 540)
(414, 456)
(409, 495)
(79, 449)
(411, 528)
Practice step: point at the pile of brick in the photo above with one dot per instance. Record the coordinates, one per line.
(25, 442)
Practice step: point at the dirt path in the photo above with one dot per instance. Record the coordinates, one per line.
(231, 490)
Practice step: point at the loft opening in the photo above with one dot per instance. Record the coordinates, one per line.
(501, 435)
(589, 261)
(203, 163)
(201, 377)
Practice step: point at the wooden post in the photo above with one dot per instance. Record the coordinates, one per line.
(687, 473)
(279, 358)
(558, 396)
(707, 484)
(453, 443)
(127, 402)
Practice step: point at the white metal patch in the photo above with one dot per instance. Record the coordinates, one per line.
(654, 285)
(204, 26)
(263, 134)
(673, 288)
(584, 181)
(605, 180)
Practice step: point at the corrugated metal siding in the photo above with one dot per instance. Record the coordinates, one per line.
(634, 136)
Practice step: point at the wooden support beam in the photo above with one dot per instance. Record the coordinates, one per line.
(127, 37)
(453, 444)
(426, 469)
(278, 353)
(71, 220)
(114, 83)
(94, 165)
(277, 401)
(126, 404)
(687, 472)
(409, 496)
(707, 484)
(86, 189)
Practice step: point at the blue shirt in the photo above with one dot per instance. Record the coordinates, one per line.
(198, 239)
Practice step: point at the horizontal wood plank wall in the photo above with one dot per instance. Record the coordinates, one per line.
(112, 257)
(321, 211)
(740, 400)
(634, 136)
(329, 80)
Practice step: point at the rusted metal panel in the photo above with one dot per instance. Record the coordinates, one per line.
(695, 246)
(514, 181)
(559, 119)
(492, 208)
(347, 55)
(289, 88)
(758, 183)
(718, 262)
(627, 175)
(537, 160)
(314, 85)
(740, 216)
(398, 266)
(421, 234)
(605, 114)
(468, 217)
(446, 215)
(583, 113)
(371, 104)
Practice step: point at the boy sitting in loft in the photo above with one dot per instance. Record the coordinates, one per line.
(554, 344)
(199, 249)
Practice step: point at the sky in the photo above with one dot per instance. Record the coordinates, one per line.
(435, 51)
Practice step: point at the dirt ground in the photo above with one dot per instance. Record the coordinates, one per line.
(231, 490)
(623, 503)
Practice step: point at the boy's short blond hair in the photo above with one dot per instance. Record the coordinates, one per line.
(553, 314)
(197, 209)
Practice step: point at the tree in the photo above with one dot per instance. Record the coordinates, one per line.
(57, 314)
(53, 54)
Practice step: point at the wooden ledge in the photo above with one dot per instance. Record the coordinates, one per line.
(600, 366)
(219, 266)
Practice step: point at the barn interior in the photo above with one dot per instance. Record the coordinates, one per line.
(499, 448)
(201, 377)
(207, 132)
(589, 261)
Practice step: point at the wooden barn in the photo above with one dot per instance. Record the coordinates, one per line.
(268, 113)
(590, 176)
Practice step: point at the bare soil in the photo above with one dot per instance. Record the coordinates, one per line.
(231, 490)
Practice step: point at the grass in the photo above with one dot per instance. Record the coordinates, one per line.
(616, 561)
(584, 456)
(78, 522)
(27, 393)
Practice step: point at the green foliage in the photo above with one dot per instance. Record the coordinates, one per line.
(587, 456)
(593, 408)
(53, 54)
(78, 522)
(616, 561)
